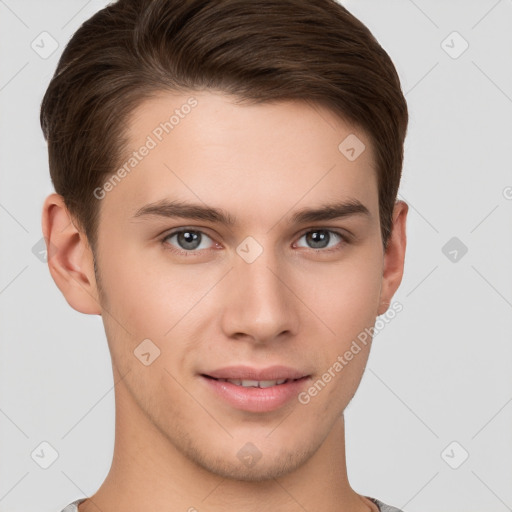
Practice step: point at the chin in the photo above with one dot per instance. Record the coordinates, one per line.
(275, 464)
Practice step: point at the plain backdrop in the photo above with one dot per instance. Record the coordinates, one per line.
(430, 427)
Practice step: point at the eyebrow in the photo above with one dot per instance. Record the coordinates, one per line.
(180, 209)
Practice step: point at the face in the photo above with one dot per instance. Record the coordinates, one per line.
(220, 259)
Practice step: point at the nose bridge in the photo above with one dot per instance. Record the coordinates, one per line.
(259, 303)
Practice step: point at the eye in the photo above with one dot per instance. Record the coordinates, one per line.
(188, 240)
(191, 241)
(322, 239)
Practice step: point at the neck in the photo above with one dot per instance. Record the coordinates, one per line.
(148, 472)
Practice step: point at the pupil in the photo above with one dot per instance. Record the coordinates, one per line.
(189, 239)
(318, 239)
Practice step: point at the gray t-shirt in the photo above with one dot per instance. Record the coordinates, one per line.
(72, 507)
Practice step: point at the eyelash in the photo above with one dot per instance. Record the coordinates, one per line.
(345, 240)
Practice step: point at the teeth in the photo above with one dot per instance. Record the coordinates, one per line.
(249, 383)
(255, 383)
(268, 383)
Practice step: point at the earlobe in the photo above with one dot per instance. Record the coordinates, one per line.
(70, 258)
(394, 257)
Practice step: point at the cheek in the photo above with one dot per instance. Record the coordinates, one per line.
(147, 296)
(349, 310)
(346, 298)
(153, 300)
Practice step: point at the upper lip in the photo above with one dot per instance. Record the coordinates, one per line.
(258, 374)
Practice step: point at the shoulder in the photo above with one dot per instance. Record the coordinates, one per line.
(382, 506)
(73, 507)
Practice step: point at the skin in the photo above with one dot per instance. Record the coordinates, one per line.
(176, 443)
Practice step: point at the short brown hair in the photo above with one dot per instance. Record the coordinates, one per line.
(256, 50)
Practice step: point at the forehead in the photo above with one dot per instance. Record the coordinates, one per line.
(260, 158)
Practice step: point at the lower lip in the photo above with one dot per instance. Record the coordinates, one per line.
(256, 399)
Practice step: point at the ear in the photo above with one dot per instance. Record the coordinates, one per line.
(70, 259)
(394, 257)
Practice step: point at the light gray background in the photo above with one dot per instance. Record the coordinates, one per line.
(438, 373)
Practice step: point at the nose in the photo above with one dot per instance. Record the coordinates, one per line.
(259, 301)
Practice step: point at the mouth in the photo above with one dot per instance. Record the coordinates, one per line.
(255, 383)
(255, 390)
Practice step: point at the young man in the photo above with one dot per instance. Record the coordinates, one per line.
(226, 176)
